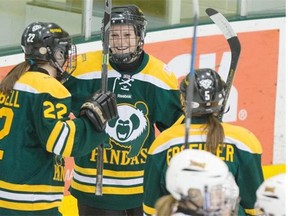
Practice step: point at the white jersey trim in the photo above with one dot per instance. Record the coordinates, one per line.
(30, 197)
(151, 79)
(97, 75)
(26, 88)
(108, 181)
(61, 141)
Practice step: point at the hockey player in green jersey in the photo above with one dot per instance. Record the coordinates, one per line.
(147, 95)
(36, 132)
(237, 146)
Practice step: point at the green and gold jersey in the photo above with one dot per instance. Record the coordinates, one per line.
(35, 132)
(241, 151)
(145, 98)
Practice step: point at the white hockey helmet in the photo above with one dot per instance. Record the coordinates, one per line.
(271, 196)
(204, 180)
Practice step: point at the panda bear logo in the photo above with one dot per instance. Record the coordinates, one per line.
(130, 130)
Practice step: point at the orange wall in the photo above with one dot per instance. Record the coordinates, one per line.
(255, 79)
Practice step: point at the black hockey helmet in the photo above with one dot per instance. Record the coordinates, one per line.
(49, 42)
(129, 15)
(208, 91)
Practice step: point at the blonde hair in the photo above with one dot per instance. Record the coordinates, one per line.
(167, 205)
(215, 134)
(14, 74)
(164, 205)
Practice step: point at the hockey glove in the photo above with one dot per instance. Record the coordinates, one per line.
(99, 109)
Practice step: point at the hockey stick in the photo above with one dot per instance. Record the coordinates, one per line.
(104, 80)
(235, 47)
(190, 87)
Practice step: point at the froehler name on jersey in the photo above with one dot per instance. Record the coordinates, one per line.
(224, 151)
(10, 100)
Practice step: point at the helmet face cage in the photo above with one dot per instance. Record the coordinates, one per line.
(216, 200)
(202, 184)
(63, 57)
(49, 42)
(208, 92)
(209, 204)
(71, 62)
(129, 15)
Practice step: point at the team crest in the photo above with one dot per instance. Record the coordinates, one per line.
(206, 83)
(130, 130)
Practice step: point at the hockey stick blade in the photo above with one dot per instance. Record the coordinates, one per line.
(235, 47)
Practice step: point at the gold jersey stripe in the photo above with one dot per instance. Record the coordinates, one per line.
(31, 188)
(109, 173)
(1, 154)
(180, 128)
(244, 136)
(42, 83)
(239, 136)
(53, 136)
(29, 206)
(108, 190)
(91, 62)
(149, 210)
(253, 211)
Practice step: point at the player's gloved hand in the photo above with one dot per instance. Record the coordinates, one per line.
(100, 108)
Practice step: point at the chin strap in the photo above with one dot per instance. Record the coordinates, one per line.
(62, 75)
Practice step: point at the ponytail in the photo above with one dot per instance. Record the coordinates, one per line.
(10, 79)
(215, 134)
(164, 205)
